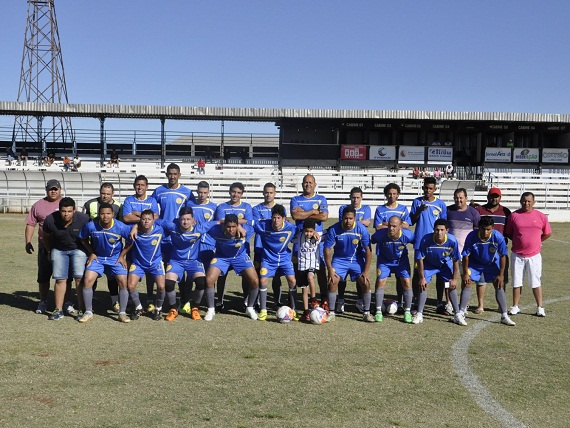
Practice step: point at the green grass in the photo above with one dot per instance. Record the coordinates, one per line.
(239, 373)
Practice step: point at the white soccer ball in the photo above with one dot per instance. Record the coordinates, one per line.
(318, 316)
(285, 314)
(389, 307)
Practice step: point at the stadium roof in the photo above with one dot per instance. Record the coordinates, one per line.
(13, 108)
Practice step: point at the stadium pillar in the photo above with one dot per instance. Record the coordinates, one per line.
(102, 139)
(39, 131)
(162, 142)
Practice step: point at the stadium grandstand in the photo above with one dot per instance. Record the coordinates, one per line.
(342, 148)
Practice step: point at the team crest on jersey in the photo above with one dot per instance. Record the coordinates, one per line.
(355, 241)
(207, 215)
(112, 240)
(214, 260)
(238, 244)
(401, 247)
(282, 239)
(132, 268)
(436, 213)
(263, 271)
(154, 242)
(240, 215)
(179, 200)
(445, 254)
(492, 249)
(315, 206)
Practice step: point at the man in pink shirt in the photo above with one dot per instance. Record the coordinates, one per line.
(527, 228)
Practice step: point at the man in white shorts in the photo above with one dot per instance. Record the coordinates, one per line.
(528, 228)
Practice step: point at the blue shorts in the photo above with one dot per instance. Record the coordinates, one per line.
(68, 262)
(343, 268)
(270, 267)
(489, 273)
(107, 266)
(444, 273)
(239, 263)
(156, 269)
(191, 267)
(206, 256)
(400, 270)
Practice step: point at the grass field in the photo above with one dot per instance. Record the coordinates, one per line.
(238, 373)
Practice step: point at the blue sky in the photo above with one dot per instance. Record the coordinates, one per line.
(482, 55)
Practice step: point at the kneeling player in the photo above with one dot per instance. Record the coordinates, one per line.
(349, 238)
(146, 257)
(275, 236)
(392, 257)
(438, 254)
(485, 256)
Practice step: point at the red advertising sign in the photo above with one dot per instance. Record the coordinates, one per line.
(353, 152)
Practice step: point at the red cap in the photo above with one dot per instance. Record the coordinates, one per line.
(494, 191)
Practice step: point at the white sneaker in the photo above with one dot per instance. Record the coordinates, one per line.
(250, 312)
(540, 312)
(87, 316)
(339, 307)
(449, 308)
(70, 310)
(507, 321)
(210, 314)
(459, 319)
(514, 310)
(360, 305)
(42, 307)
(418, 318)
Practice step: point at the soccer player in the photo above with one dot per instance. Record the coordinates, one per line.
(425, 211)
(185, 236)
(308, 260)
(484, 260)
(67, 255)
(134, 205)
(230, 238)
(244, 213)
(364, 216)
(263, 211)
(392, 257)
(37, 215)
(349, 238)
(275, 236)
(102, 238)
(438, 254)
(499, 214)
(146, 257)
(528, 229)
(312, 205)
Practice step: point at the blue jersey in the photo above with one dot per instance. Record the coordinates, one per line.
(203, 214)
(362, 213)
(347, 244)
(146, 249)
(275, 243)
(106, 242)
(308, 203)
(185, 245)
(383, 214)
(171, 200)
(261, 212)
(436, 256)
(242, 210)
(391, 251)
(484, 253)
(424, 225)
(131, 204)
(227, 247)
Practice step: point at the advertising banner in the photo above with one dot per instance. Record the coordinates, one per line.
(554, 155)
(408, 154)
(525, 155)
(440, 154)
(387, 153)
(497, 154)
(353, 152)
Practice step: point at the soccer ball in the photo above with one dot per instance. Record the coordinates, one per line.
(389, 307)
(318, 316)
(285, 314)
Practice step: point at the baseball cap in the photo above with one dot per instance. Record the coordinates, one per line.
(53, 184)
(494, 191)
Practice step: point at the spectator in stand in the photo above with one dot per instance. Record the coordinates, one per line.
(10, 156)
(201, 166)
(114, 160)
(66, 163)
(425, 173)
(416, 173)
(449, 171)
(24, 156)
(76, 163)
(437, 174)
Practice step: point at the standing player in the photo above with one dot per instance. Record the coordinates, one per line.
(364, 216)
(102, 238)
(528, 228)
(308, 260)
(230, 238)
(311, 205)
(263, 211)
(425, 211)
(462, 218)
(392, 257)
(275, 236)
(244, 213)
(499, 214)
(37, 215)
(484, 260)
(67, 255)
(349, 239)
(146, 258)
(438, 254)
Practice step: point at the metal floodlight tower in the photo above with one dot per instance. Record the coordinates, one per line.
(42, 80)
